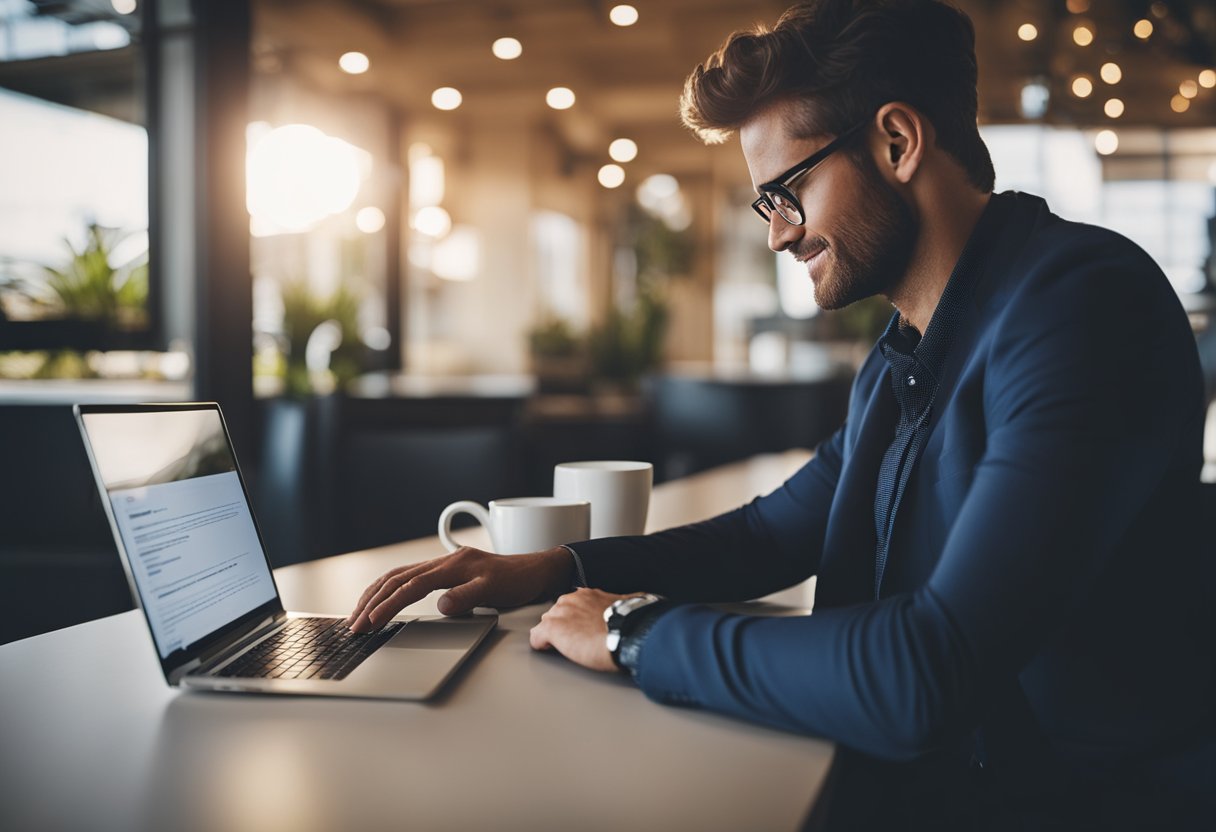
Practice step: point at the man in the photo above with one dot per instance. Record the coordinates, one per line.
(1012, 621)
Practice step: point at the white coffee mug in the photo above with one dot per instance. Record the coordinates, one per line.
(619, 492)
(523, 524)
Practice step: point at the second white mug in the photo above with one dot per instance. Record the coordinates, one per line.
(518, 525)
(619, 492)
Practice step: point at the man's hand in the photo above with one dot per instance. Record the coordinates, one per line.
(473, 577)
(575, 627)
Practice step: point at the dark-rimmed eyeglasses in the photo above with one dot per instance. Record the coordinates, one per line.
(778, 195)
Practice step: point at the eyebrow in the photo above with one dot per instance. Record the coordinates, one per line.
(788, 172)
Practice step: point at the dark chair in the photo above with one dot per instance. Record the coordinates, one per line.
(344, 473)
(58, 564)
(703, 421)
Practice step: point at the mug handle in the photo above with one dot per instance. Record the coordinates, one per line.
(477, 510)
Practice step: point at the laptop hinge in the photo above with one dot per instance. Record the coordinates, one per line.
(235, 644)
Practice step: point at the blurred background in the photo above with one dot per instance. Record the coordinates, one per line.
(422, 250)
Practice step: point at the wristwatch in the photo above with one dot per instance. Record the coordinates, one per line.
(616, 616)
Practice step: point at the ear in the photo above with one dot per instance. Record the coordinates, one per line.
(904, 135)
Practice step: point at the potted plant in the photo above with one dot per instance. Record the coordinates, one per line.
(97, 295)
(558, 356)
(309, 317)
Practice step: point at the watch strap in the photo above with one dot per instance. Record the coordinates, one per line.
(634, 631)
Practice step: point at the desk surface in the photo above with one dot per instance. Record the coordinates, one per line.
(93, 739)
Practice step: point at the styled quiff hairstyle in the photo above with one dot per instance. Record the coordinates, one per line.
(845, 59)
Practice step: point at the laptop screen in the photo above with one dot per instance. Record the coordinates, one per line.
(191, 545)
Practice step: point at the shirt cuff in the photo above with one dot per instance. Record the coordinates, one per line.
(629, 654)
(580, 577)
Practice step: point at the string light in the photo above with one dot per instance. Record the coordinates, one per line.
(1179, 104)
(560, 98)
(507, 49)
(1207, 78)
(623, 15)
(369, 220)
(1082, 86)
(432, 221)
(446, 98)
(1028, 31)
(611, 176)
(1188, 89)
(1082, 36)
(1143, 28)
(623, 150)
(354, 63)
(1078, 6)
(1113, 107)
(1111, 73)
(1106, 142)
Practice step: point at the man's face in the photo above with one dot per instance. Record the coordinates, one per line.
(858, 235)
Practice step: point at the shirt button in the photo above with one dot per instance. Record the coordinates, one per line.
(911, 381)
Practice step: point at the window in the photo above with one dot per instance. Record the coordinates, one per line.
(74, 157)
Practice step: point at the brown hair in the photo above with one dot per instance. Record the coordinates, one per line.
(848, 58)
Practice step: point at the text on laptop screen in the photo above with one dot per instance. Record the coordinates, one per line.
(184, 520)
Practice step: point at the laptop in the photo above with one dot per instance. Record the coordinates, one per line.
(195, 560)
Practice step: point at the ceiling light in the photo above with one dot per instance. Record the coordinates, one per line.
(1143, 28)
(658, 188)
(1028, 31)
(1082, 86)
(426, 180)
(369, 220)
(1179, 104)
(1082, 36)
(623, 15)
(446, 98)
(1207, 78)
(611, 176)
(432, 221)
(1188, 89)
(1111, 73)
(1113, 107)
(560, 98)
(623, 150)
(1078, 6)
(458, 256)
(354, 63)
(1106, 142)
(507, 49)
(123, 6)
(297, 176)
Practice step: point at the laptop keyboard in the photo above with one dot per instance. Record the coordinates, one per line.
(309, 648)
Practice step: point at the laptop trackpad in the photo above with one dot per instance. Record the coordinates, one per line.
(449, 634)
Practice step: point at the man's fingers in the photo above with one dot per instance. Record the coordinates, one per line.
(462, 598)
(538, 637)
(414, 589)
(379, 583)
(401, 579)
(390, 585)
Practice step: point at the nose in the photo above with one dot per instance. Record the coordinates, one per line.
(781, 234)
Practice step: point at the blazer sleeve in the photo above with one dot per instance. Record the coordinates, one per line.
(1091, 381)
(771, 543)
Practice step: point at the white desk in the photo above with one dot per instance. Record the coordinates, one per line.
(91, 738)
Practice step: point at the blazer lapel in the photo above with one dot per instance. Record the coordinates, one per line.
(846, 574)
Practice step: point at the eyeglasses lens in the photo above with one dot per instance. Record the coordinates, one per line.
(789, 210)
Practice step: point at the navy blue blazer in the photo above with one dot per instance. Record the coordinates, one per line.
(1042, 595)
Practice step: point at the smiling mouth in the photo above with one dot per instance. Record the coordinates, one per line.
(809, 257)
